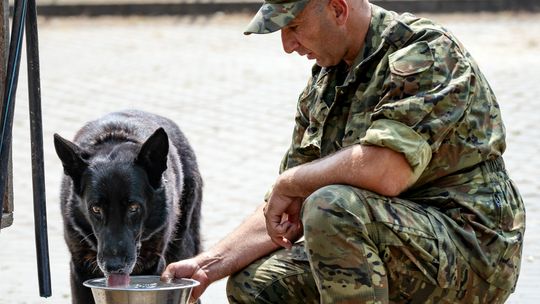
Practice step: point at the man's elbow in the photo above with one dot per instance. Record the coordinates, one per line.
(391, 187)
(396, 177)
(395, 181)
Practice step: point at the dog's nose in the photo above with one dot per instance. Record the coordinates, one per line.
(114, 264)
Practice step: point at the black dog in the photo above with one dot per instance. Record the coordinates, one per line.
(130, 199)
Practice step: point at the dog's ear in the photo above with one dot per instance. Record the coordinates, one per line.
(71, 156)
(153, 156)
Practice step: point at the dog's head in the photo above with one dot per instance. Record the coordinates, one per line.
(117, 185)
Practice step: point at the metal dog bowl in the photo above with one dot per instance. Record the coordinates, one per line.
(142, 290)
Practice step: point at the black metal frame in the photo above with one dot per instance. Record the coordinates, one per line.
(25, 12)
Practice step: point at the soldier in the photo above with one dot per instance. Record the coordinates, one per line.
(394, 188)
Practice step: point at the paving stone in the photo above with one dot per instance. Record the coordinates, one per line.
(234, 97)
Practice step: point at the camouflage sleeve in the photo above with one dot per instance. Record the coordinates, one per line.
(294, 155)
(300, 152)
(401, 138)
(425, 94)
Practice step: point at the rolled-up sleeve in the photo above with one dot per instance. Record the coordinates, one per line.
(401, 138)
(426, 95)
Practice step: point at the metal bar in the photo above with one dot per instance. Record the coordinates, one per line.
(6, 113)
(36, 138)
(190, 8)
(4, 47)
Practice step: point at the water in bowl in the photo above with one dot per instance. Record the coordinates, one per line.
(144, 283)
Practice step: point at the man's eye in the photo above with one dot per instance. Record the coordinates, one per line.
(96, 210)
(134, 208)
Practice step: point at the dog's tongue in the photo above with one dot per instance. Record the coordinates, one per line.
(117, 280)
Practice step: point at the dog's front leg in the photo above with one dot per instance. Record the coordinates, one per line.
(79, 293)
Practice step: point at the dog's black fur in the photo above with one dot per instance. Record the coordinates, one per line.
(130, 197)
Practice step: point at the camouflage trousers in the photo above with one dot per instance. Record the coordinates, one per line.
(360, 247)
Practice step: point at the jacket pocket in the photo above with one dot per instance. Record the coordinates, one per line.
(411, 60)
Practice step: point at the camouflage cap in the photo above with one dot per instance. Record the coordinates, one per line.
(273, 15)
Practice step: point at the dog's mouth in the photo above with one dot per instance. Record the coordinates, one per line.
(116, 272)
(117, 279)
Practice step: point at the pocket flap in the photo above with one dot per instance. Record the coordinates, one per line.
(411, 60)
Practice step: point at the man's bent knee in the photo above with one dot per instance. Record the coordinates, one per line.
(281, 277)
(343, 257)
(239, 289)
(329, 203)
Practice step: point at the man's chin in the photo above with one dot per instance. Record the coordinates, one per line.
(323, 64)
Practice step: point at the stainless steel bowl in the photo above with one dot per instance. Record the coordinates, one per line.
(142, 290)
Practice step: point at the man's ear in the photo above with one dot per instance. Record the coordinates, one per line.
(153, 156)
(340, 8)
(71, 156)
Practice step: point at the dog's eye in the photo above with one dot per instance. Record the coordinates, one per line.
(134, 208)
(96, 210)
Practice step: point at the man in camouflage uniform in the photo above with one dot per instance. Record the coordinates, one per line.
(394, 176)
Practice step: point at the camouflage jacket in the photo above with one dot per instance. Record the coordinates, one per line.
(416, 90)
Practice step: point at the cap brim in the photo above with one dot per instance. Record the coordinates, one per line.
(272, 17)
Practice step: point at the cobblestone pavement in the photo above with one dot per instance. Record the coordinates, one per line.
(120, 2)
(234, 97)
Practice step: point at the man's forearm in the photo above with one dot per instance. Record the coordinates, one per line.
(376, 169)
(246, 243)
(373, 168)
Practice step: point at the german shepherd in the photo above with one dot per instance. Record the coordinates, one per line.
(130, 198)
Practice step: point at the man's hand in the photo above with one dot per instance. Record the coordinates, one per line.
(242, 246)
(189, 268)
(282, 212)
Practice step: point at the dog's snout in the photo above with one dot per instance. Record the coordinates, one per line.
(115, 258)
(114, 264)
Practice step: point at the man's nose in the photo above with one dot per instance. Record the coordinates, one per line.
(289, 42)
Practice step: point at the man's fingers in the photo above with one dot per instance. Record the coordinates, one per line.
(282, 218)
(282, 241)
(281, 233)
(196, 294)
(294, 218)
(167, 276)
(186, 269)
(181, 269)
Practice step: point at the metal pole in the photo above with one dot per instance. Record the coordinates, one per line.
(36, 136)
(4, 47)
(6, 113)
